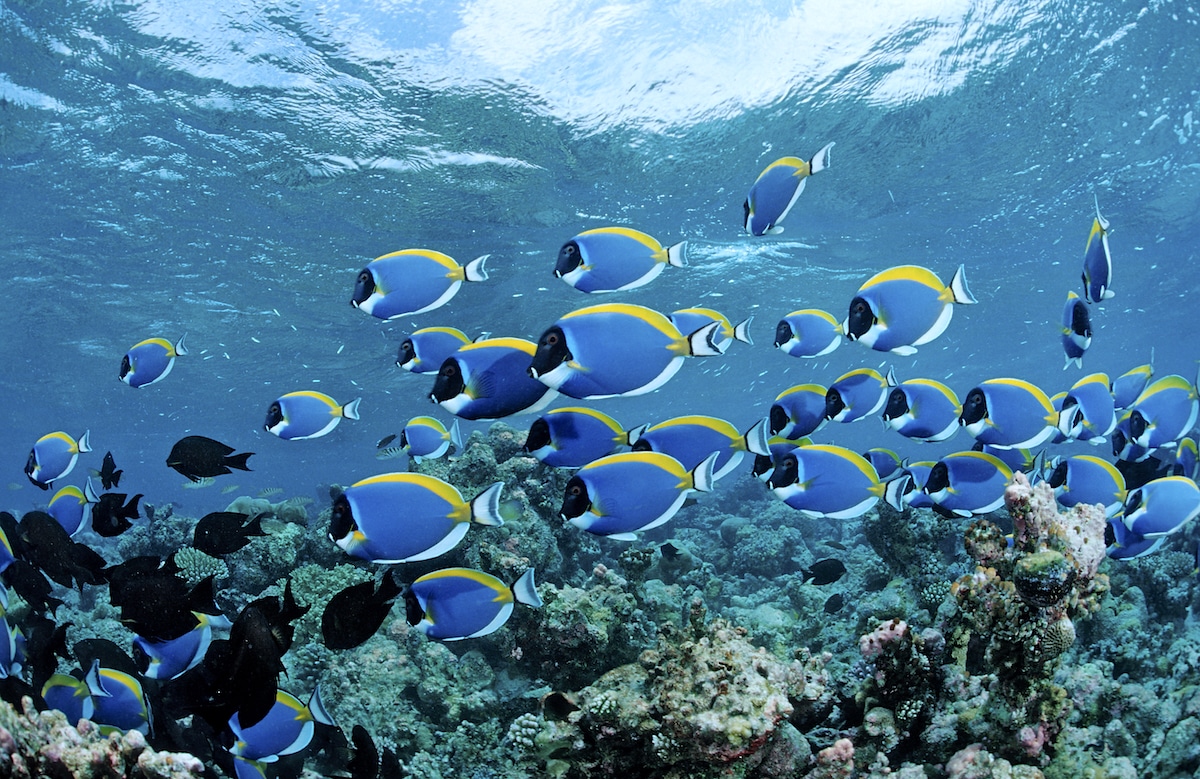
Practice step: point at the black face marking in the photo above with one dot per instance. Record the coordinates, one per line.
(341, 520)
(860, 319)
(551, 352)
(783, 333)
(786, 472)
(274, 416)
(576, 500)
(939, 479)
(974, 407)
(777, 419)
(406, 354)
(364, 287)
(834, 404)
(569, 258)
(897, 404)
(449, 382)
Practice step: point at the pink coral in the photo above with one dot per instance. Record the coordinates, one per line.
(834, 762)
(1036, 520)
(871, 645)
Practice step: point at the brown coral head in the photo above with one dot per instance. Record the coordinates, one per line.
(1043, 578)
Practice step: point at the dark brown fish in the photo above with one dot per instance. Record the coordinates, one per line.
(111, 515)
(196, 457)
(109, 475)
(354, 614)
(826, 571)
(225, 532)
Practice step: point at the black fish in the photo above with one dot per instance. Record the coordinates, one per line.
(45, 642)
(365, 763)
(108, 653)
(281, 612)
(387, 439)
(109, 475)
(154, 601)
(834, 603)
(825, 571)
(354, 614)
(111, 515)
(48, 547)
(32, 585)
(223, 532)
(195, 457)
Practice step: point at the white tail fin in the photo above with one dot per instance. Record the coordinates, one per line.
(474, 270)
(702, 344)
(456, 436)
(1103, 222)
(820, 160)
(84, 445)
(350, 410)
(741, 331)
(634, 434)
(525, 590)
(485, 508)
(180, 349)
(677, 255)
(756, 438)
(702, 474)
(958, 286)
(89, 492)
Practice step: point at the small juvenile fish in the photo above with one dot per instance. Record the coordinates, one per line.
(203, 481)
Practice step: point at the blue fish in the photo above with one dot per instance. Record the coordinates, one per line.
(809, 332)
(1124, 447)
(778, 446)
(690, 439)
(1162, 506)
(457, 603)
(171, 658)
(53, 456)
(401, 517)
(1087, 412)
(1009, 413)
(1024, 460)
(12, 648)
(775, 190)
(855, 395)
(71, 507)
(615, 349)
(287, 728)
(573, 437)
(1187, 459)
(69, 695)
(923, 410)
(427, 438)
(426, 349)
(887, 464)
(412, 281)
(624, 493)
(306, 414)
(1129, 385)
(798, 411)
(149, 361)
(613, 259)
(1083, 479)
(1128, 545)
(489, 379)
(826, 481)
(118, 700)
(968, 483)
(1097, 263)
(1164, 413)
(904, 307)
(1076, 330)
(689, 320)
(908, 489)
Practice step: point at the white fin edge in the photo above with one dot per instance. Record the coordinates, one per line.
(820, 160)
(741, 332)
(350, 410)
(702, 474)
(485, 508)
(701, 343)
(474, 270)
(180, 349)
(525, 590)
(677, 255)
(456, 436)
(757, 438)
(958, 286)
(84, 442)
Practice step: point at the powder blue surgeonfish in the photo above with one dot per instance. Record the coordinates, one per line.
(149, 361)
(1187, 459)
(809, 332)
(624, 493)
(400, 517)
(611, 259)
(616, 349)
(426, 438)
(690, 439)
(297, 416)
(489, 379)
(53, 456)
(412, 281)
(798, 411)
(12, 646)
(923, 410)
(1009, 413)
(887, 464)
(1128, 545)
(968, 483)
(172, 657)
(1127, 387)
(857, 394)
(908, 489)
(572, 437)
(776, 189)
(689, 320)
(1087, 412)
(1164, 413)
(426, 349)
(903, 307)
(287, 728)
(71, 507)
(118, 700)
(1084, 479)
(1076, 330)
(1097, 263)
(1162, 506)
(826, 481)
(457, 603)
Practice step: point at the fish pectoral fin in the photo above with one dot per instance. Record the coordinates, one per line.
(577, 366)
(904, 350)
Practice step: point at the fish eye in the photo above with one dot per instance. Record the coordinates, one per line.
(576, 490)
(364, 276)
(552, 339)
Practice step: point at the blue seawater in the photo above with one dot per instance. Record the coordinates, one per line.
(224, 170)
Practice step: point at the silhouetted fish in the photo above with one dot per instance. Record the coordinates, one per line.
(834, 603)
(354, 614)
(111, 515)
(223, 532)
(196, 457)
(48, 546)
(826, 571)
(109, 475)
